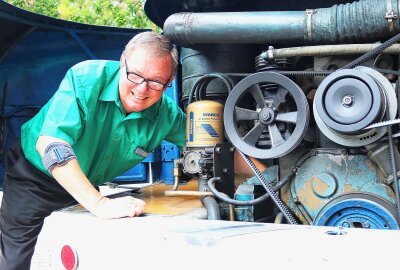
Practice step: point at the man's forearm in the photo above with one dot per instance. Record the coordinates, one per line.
(71, 178)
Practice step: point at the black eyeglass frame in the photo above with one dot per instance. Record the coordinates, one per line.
(144, 79)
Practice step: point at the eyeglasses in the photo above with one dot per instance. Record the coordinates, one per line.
(137, 79)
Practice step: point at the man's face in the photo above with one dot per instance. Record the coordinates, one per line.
(137, 97)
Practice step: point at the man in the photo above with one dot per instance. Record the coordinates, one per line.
(106, 117)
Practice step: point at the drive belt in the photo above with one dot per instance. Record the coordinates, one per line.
(393, 162)
(278, 202)
(392, 156)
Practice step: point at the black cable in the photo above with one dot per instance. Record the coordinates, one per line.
(224, 198)
(202, 86)
(198, 90)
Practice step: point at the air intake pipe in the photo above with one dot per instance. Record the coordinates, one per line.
(357, 22)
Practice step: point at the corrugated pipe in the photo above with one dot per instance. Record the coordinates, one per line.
(357, 22)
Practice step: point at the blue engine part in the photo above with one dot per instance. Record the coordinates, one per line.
(358, 210)
(334, 188)
(250, 190)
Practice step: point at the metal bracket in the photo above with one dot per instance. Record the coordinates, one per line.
(390, 15)
(270, 53)
(223, 167)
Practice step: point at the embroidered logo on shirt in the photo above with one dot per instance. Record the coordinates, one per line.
(139, 151)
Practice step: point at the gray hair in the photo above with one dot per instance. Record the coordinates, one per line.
(157, 43)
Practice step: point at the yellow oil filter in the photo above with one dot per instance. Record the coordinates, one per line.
(204, 123)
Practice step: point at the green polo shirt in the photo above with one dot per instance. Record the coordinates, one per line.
(87, 113)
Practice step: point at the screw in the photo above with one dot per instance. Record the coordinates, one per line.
(348, 100)
(265, 115)
(346, 224)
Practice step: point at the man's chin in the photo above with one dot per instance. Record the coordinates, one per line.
(137, 108)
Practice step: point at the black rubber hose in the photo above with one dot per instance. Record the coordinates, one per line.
(226, 199)
(198, 90)
(201, 91)
(212, 208)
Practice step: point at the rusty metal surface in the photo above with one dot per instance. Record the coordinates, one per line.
(325, 176)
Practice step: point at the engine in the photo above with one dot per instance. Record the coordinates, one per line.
(311, 91)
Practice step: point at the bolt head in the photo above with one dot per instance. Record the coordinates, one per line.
(348, 100)
(346, 224)
(367, 225)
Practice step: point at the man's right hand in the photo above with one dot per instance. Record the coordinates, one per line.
(75, 182)
(119, 207)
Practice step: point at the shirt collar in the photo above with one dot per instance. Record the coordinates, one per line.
(110, 92)
(149, 113)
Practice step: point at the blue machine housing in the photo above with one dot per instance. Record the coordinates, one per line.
(341, 190)
(35, 53)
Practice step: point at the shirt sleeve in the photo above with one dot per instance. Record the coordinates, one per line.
(65, 113)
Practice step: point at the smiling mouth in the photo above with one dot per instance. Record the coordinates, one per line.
(137, 97)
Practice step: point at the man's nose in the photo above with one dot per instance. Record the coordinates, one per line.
(143, 86)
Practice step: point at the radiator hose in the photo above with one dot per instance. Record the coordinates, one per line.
(358, 22)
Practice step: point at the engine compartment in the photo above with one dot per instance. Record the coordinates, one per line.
(309, 88)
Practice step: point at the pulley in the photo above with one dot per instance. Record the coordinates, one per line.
(266, 122)
(349, 100)
(358, 210)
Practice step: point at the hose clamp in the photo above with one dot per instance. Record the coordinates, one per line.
(309, 13)
(390, 15)
(270, 52)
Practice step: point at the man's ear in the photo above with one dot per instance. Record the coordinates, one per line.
(170, 80)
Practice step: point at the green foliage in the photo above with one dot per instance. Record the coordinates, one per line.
(119, 13)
